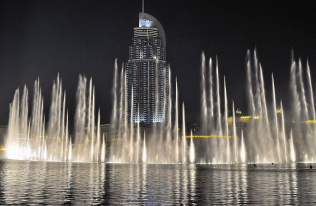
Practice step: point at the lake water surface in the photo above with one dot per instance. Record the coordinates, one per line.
(54, 183)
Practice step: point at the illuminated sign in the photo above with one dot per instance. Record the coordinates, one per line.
(143, 22)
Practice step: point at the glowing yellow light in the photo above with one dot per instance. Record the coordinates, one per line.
(1, 147)
(278, 111)
(208, 136)
(238, 111)
(230, 119)
(309, 121)
(245, 117)
(256, 117)
(293, 121)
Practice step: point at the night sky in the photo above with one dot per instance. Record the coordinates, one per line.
(42, 38)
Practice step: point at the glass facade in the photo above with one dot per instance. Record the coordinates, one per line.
(147, 75)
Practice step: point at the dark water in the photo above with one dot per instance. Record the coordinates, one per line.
(23, 182)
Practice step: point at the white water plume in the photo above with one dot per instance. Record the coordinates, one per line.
(243, 149)
(192, 150)
(293, 157)
(144, 149)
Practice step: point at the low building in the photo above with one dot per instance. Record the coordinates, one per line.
(3, 131)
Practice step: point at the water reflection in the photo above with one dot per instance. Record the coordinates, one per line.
(23, 182)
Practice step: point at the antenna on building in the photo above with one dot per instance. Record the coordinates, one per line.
(143, 5)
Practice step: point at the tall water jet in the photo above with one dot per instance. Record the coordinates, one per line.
(218, 157)
(293, 84)
(209, 130)
(103, 150)
(70, 151)
(176, 126)
(312, 106)
(91, 127)
(84, 121)
(243, 148)
(293, 157)
(192, 149)
(131, 143)
(123, 126)
(183, 136)
(211, 97)
(251, 103)
(37, 132)
(311, 91)
(56, 123)
(276, 122)
(144, 149)
(114, 118)
(169, 123)
(67, 140)
(226, 125)
(63, 130)
(203, 89)
(235, 135)
(12, 142)
(80, 116)
(24, 124)
(302, 91)
(265, 119)
(98, 136)
(283, 132)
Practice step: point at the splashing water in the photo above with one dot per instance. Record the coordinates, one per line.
(243, 149)
(192, 149)
(220, 139)
(293, 157)
(144, 150)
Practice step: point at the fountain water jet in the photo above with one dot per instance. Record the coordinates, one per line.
(192, 149)
(144, 149)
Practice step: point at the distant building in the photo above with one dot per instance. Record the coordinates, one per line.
(106, 134)
(147, 73)
(3, 131)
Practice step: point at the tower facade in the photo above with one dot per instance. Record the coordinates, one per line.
(147, 73)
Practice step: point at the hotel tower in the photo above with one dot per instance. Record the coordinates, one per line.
(147, 74)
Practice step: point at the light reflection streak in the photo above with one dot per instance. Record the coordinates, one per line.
(144, 182)
(244, 184)
(229, 187)
(294, 190)
(177, 183)
(192, 169)
(184, 193)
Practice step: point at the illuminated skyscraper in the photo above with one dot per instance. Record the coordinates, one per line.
(147, 73)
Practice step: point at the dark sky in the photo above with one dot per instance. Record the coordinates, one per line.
(42, 38)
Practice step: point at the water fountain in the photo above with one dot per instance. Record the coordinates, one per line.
(29, 139)
(223, 137)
